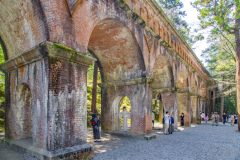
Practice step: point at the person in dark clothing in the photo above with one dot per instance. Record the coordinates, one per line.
(95, 122)
(224, 118)
(235, 118)
(182, 119)
(171, 124)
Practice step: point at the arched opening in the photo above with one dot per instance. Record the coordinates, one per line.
(119, 59)
(163, 81)
(203, 94)
(183, 98)
(3, 57)
(194, 101)
(24, 112)
(125, 116)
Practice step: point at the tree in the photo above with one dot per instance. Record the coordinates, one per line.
(94, 90)
(2, 92)
(172, 8)
(223, 18)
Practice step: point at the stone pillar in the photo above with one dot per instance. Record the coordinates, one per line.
(184, 107)
(139, 92)
(194, 106)
(57, 80)
(160, 112)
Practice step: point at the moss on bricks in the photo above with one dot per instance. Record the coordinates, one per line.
(63, 47)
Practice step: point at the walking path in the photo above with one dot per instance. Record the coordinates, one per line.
(196, 142)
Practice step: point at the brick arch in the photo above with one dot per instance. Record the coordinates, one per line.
(194, 85)
(144, 14)
(2, 44)
(162, 72)
(203, 88)
(136, 6)
(28, 26)
(157, 27)
(117, 51)
(183, 83)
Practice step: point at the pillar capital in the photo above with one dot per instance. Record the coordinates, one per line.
(47, 50)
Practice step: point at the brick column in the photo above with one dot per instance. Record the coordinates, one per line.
(184, 107)
(57, 79)
(160, 112)
(194, 106)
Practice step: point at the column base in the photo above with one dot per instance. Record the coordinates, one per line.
(147, 137)
(84, 151)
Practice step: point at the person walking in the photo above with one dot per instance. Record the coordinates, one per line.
(153, 117)
(199, 117)
(202, 116)
(206, 118)
(235, 119)
(182, 119)
(166, 123)
(213, 119)
(224, 118)
(171, 124)
(232, 120)
(217, 119)
(95, 122)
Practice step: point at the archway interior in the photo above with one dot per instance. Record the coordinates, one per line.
(203, 94)
(194, 101)
(162, 73)
(163, 77)
(117, 51)
(118, 55)
(2, 90)
(183, 97)
(203, 90)
(24, 111)
(125, 102)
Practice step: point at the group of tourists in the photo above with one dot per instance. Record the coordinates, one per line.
(168, 124)
(216, 118)
(233, 119)
(168, 121)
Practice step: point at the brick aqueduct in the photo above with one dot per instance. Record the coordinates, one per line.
(139, 52)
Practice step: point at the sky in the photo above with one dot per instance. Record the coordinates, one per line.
(193, 21)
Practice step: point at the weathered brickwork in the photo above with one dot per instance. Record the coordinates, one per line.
(28, 92)
(139, 52)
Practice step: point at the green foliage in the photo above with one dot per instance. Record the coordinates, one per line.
(172, 8)
(229, 105)
(217, 14)
(89, 92)
(2, 92)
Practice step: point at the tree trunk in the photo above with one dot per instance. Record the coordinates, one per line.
(222, 105)
(222, 99)
(94, 90)
(237, 41)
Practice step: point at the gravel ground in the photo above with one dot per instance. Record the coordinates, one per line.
(198, 142)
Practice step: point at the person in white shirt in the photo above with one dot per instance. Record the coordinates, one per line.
(125, 114)
(166, 123)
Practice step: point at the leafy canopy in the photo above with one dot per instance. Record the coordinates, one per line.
(173, 9)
